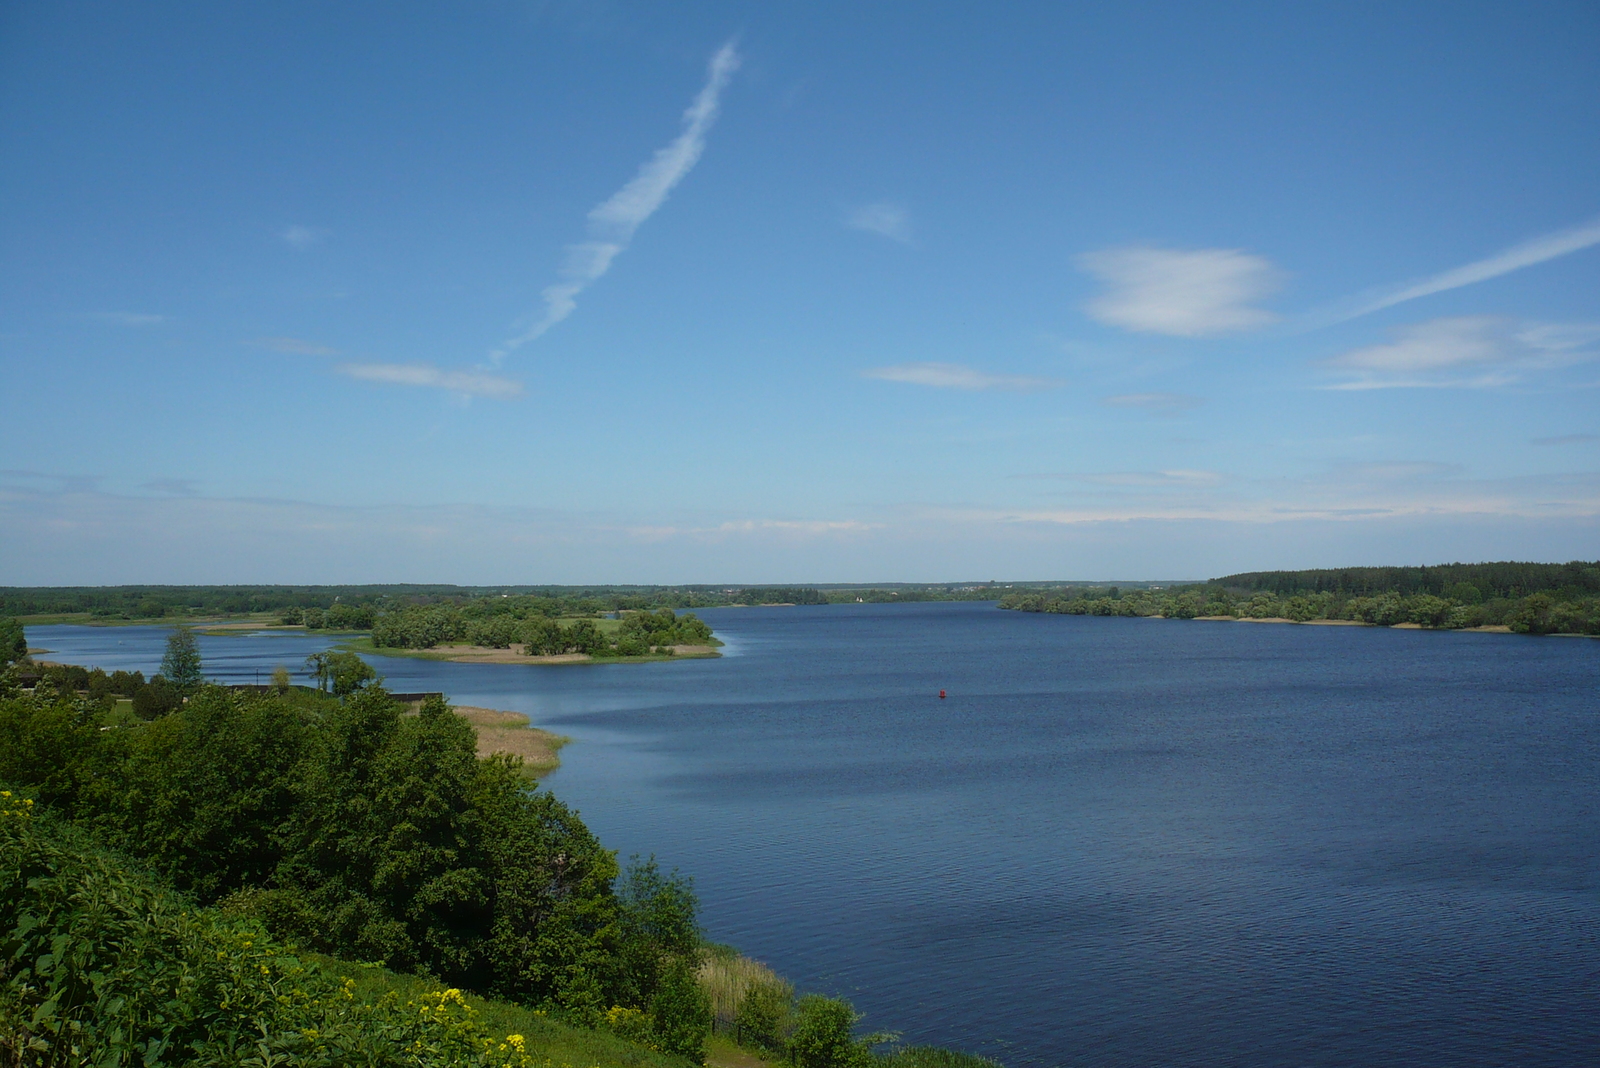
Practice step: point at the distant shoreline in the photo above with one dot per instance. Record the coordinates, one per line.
(481, 654)
(1493, 628)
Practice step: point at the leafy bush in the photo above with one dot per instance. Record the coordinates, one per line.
(822, 1035)
(362, 832)
(102, 966)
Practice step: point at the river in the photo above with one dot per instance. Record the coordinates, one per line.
(1116, 842)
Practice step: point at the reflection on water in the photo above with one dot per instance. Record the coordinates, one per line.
(1117, 841)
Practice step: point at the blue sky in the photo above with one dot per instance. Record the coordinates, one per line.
(609, 292)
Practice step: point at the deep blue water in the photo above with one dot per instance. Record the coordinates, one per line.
(1117, 842)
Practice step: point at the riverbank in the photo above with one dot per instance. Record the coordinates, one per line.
(1488, 629)
(508, 732)
(482, 654)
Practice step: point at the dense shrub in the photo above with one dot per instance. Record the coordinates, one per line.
(102, 966)
(351, 828)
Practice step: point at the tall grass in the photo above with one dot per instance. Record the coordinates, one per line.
(727, 977)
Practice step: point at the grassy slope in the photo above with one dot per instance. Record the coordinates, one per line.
(561, 1043)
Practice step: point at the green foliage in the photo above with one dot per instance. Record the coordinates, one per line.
(1569, 609)
(13, 642)
(180, 665)
(529, 621)
(103, 966)
(156, 698)
(658, 930)
(342, 673)
(1465, 583)
(357, 830)
(681, 1012)
(933, 1057)
(823, 1035)
(764, 1017)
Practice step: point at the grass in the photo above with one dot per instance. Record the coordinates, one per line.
(726, 975)
(508, 732)
(560, 1043)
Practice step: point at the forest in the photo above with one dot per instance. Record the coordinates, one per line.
(356, 607)
(1525, 598)
(195, 884)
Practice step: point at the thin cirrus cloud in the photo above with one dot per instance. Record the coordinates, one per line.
(613, 222)
(884, 219)
(1463, 351)
(1181, 292)
(955, 376)
(468, 383)
(1151, 479)
(1527, 254)
(1155, 403)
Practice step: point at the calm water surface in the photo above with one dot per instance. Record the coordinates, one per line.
(1117, 842)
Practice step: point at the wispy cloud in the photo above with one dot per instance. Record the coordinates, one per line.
(172, 487)
(1567, 439)
(885, 219)
(294, 346)
(302, 237)
(1169, 404)
(1472, 351)
(131, 318)
(1181, 292)
(955, 376)
(1152, 479)
(1527, 254)
(471, 383)
(612, 223)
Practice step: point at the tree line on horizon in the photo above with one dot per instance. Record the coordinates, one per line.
(1526, 598)
(356, 607)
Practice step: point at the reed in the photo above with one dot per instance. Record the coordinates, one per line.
(727, 977)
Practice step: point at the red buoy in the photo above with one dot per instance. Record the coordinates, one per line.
(941, 693)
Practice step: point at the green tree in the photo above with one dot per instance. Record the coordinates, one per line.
(681, 1011)
(342, 673)
(156, 698)
(181, 663)
(822, 1037)
(13, 642)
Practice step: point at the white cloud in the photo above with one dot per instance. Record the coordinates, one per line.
(1464, 351)
(298, 236)
(131, 318)
(1184, 293)
(1538, 250)
(1156, 403)
(888, 220)
(473, 383)
(955, 376)
(612, 223)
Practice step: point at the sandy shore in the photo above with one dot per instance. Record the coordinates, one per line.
(508, 732)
